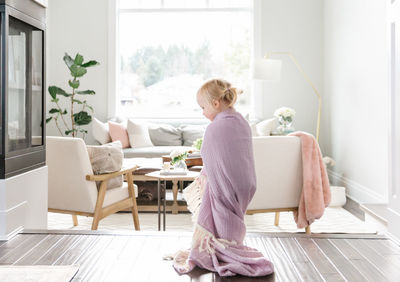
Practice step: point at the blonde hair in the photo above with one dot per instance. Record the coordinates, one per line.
(219, 89)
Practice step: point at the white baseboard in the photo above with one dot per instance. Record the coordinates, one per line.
(356, 191)
(7, 237)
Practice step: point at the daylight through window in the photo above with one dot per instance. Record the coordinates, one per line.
(167, 49)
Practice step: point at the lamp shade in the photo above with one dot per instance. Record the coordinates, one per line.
(267, 69)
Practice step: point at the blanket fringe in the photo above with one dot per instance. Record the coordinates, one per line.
(193, 194)
(206, 241)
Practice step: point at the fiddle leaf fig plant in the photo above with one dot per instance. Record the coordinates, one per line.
(78, 118)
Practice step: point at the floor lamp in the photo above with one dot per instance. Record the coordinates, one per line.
(268, 69)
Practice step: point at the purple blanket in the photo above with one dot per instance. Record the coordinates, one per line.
(217, 243)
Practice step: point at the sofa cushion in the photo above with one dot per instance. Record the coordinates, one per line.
(118, 133)
(138, 134)
(191, 133)
(100, 131)
(152, 152)
(165, 135)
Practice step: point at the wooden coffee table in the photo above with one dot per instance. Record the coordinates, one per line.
(190, 176)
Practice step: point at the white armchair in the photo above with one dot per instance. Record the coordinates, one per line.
(279, 171)
(72, 187)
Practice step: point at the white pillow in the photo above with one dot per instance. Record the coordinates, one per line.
(265, 127)
(100, 131)
(138, 134)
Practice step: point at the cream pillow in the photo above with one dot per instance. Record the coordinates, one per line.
(100, 131)
(138, 134)
(265, 127)
(107, 158)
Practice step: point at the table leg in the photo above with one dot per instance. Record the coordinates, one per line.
(181, 186)
(158, 204)
(175, 194)
(165, 200)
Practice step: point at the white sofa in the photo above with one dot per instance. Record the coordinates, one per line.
(166, 135)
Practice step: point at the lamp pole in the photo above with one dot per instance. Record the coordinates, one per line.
(294, 60)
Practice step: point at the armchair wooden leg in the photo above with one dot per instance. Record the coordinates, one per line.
(75, 219)
(277, 214)
(99, 204)
(308, 230)
(131, 191)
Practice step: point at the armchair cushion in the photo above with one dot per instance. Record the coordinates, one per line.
(106, 159)
(116, 194)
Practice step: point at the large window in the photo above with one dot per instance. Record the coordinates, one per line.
(168, 48)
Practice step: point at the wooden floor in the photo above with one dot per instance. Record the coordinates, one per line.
(138, 257)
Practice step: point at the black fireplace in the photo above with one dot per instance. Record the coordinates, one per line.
(22, 76)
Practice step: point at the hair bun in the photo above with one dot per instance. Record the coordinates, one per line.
(220, 89)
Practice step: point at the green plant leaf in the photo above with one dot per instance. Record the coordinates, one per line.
(68, 60)
(68, 132)
(55, 100)
(65, 94)
(82, 118)
(90, 64)
(53, 91)
(58, 90)
(78, 59)
(48, 119)
(74, 83)
(83, 131)
(54, 110)
(77, 71)
(77, 101)
(64, 112)
(86, 92)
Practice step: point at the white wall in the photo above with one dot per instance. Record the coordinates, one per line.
(78, 26)
(296, 27)
(355, 85)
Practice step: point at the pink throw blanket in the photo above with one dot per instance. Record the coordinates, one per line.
(217, 243)
(316, 193)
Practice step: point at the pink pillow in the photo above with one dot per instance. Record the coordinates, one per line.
(118, 132)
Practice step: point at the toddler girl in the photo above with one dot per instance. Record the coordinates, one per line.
(229, 183)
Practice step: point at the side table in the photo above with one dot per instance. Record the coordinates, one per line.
(190, 176)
